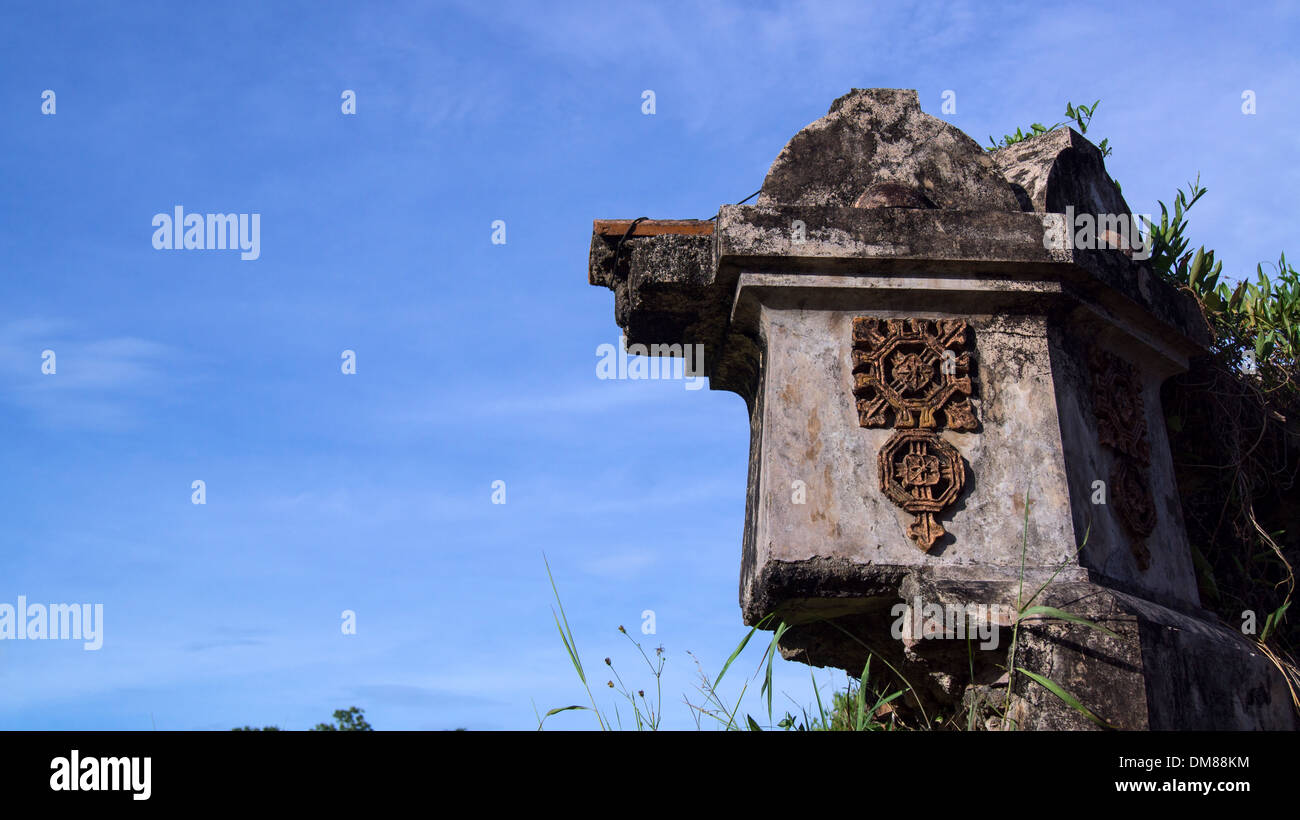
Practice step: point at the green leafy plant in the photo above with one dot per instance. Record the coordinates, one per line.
(1256, 323)
(1080, 115)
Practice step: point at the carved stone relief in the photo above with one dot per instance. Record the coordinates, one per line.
(1121, 426)
(913, 371)
(915, 375)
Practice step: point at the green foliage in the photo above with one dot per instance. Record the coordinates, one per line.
(850, 709)
(859, 708)
(1273, 620)
(1260, 318)
(1256, 323)
(351, 719)
(863, 705)
(1080, 115)
(1246, 397)
(1020, 136)
(1169, 240)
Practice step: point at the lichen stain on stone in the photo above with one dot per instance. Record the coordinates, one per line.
(814, 436)
(1018, 505)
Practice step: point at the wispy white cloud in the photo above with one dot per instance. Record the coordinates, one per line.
(96, 384)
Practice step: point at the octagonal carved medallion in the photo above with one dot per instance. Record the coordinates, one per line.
(912, 373)
(915, 375)
(923, 474)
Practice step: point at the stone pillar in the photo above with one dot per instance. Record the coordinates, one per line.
(954, 399)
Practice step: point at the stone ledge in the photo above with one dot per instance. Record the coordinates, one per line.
(1168, 670)
(755, 238)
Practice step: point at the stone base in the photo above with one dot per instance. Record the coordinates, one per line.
(1168, 670)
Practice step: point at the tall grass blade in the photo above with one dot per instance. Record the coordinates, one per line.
(862, 689)
(771, 656)
(739, 649)
(1053, 612)
(1069, 700)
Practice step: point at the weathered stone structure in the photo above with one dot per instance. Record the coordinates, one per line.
(953, 403)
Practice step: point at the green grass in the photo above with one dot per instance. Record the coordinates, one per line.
(865, 704)
(859, 707)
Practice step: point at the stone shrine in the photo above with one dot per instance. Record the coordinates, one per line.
(952, 403)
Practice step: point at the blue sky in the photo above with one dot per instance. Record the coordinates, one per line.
(475, 362)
